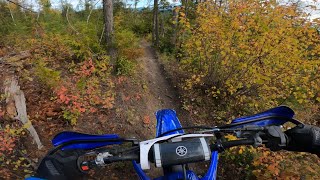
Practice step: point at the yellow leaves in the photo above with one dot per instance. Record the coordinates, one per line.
(230, 137)
(241, 149)
(265, 153)
(27, 125)
(197, 43)
(253, 56)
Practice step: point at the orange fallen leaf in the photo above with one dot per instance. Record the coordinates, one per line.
(146, 119)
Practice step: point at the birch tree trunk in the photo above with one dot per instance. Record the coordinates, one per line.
(16, 105)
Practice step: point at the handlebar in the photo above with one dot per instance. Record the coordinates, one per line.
(272, 136)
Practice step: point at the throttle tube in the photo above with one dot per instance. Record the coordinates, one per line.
(130, 157)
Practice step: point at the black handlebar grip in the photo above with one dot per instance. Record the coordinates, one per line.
(304, 138)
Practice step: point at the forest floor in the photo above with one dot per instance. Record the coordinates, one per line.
(138, 97)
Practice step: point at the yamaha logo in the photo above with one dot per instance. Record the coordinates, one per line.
(181, 151)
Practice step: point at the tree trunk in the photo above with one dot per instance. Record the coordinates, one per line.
(175, 17)
(17, 105)
(87, 5)
(161, 31)
(108, 23)
(155, 32)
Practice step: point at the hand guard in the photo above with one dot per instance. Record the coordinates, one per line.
(62, 165)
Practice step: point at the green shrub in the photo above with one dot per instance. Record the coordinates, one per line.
(124, 66)
(127, 44)
(47, 76)
(138, 22)
(71, 116)
(126, 39)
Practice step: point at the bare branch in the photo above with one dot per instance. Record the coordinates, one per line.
(12, 15)
(104, 27)
(91, 11)
(67, 16)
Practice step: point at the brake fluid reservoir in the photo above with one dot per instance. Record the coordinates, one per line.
(183, 152)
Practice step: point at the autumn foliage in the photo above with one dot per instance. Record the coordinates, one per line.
(231, 58)
(241, 57)
(84, 92)
(245, 56)
(7, 142)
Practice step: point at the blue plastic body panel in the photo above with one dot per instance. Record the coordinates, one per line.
(141, 174)
(67, 136)
(167, 120)
(280, 111)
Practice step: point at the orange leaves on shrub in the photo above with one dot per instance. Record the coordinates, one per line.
(7, 142)
(135, 97)
(87, 95)
(126, 98)
(121, 79)
(62, 95)
(108, 102)
(87, 68)
(267, 163)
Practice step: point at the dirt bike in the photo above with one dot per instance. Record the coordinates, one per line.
(173, 149)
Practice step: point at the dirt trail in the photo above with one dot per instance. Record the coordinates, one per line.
(143, 94)
(161, 94)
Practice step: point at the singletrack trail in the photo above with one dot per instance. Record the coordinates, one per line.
(162, 95)
(154, 91)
